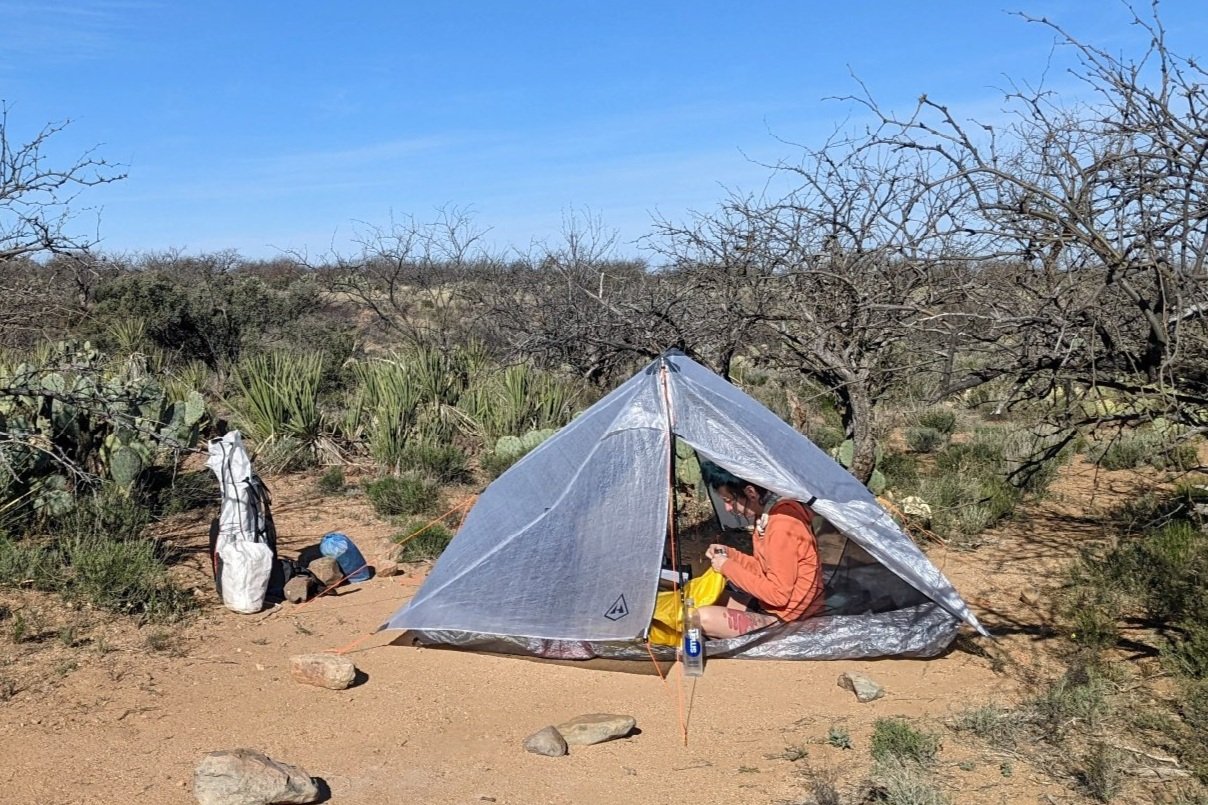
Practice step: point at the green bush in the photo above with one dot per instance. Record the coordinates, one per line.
(1160, 449)
(995, 725)
(122, 576)
(187, 491)
(402, 495)
(894, 739)
(924, 439)
(445, 462)
(423, 541)
(940, 419)
(1101, 774)
(1078, 697)
(331, 482)
(826, 437)
(901, 470)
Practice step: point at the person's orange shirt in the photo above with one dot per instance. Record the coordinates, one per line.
(785, 573)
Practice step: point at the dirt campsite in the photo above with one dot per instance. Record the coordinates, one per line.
(119, 713)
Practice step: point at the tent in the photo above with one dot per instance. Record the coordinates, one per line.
(561, 555)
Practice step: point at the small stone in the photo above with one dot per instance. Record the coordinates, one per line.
(299, 589)
(594, 728)
(548, 742)
(326, 570)
(865, 689)
(323, 670)
(1029, 597)
(387, 569)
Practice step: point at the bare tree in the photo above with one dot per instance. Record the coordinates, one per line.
(837, 279)
(1096, 209)
(38, 199)
(410, 274)
(38, 207)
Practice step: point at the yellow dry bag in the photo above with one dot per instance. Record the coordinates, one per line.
(667, 624)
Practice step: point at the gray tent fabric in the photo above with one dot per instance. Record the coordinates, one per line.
(562, 552)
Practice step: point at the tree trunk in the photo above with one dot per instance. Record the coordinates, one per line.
(857, 424)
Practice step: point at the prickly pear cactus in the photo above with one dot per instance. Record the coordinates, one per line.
(76, 409)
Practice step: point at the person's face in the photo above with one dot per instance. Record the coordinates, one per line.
(742, 502)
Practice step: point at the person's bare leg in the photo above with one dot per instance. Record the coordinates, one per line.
(725, 621)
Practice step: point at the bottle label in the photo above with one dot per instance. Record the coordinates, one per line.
(692, 646)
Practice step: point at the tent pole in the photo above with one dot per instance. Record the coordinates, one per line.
(672, 519)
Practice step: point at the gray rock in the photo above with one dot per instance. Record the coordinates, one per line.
(547, 742)
(248, 777)
(595, 728)
(323, 670)
(299, 589)
(865, 689)
(326, 570)
(388, 569)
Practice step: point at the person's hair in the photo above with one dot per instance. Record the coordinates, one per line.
(717, 477)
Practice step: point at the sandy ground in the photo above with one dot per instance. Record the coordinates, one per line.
(110, 713)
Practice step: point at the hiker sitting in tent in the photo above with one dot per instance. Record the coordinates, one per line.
(783, 577)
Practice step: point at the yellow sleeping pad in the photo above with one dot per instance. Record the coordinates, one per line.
(667, 624)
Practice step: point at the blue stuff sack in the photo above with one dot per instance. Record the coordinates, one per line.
(341, 548)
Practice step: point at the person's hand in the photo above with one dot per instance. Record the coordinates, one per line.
(717, 554)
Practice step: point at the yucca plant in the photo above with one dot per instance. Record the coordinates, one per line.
(278, 401)
(386, 407)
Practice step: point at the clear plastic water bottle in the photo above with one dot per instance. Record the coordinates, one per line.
(694, 641)
(341, 548)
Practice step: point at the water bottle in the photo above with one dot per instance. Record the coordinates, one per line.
(694, 640)
(339, 547)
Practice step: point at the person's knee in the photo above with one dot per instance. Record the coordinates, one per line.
(712, 620)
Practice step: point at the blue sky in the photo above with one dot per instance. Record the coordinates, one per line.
(268, 127)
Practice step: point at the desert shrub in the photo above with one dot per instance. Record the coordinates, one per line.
(402, 495)
(939, 419)
(520, 398)
(901, 470)
(1125, 452)
(1101, 774)
(894, 739)
(895, 782)
(422, 541)
(1161, 571)
(1194, 711)
(826, 437)
(924, 439)
(839, 738)
(1159, 448)
(1078, 697)
(123, 576)
(995, 725)
(445, 462)
(27, 562)
(186, 491)
(331, 482)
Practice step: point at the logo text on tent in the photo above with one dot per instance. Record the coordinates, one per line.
(618, 610)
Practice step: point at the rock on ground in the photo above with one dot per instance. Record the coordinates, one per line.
(248, 777)
(330, 671)
(595, 728)
(865, 689)
(547, 742)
